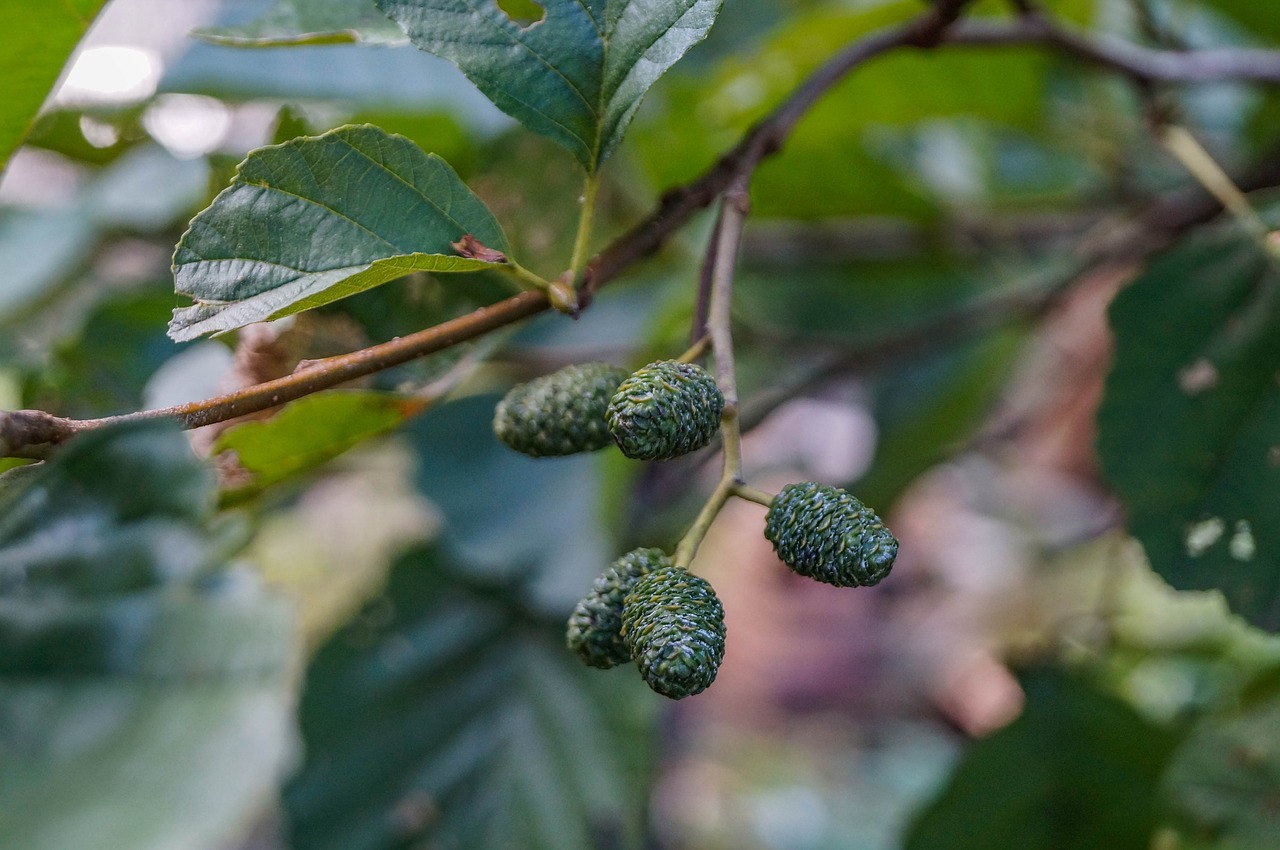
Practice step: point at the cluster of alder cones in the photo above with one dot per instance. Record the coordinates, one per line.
(644, 607)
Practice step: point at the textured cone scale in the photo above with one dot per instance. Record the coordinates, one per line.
(826, 534)
(665, 410)
(561, 413)
(595, 626)
(674, 626)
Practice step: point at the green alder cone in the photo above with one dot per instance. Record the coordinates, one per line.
(673, 623)
(825, 533)
(595, 626)
(665, 410)
(559, 414)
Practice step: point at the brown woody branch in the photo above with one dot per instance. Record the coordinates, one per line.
(33, 433)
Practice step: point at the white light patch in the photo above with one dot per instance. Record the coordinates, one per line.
(98, 133)
(1204, 534)
(1199, 376)
(1242, 546)
(188, 125)
(110, 75)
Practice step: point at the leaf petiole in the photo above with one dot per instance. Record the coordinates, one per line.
(586, 218)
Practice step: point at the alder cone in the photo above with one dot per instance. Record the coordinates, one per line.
(595, 626)
(825, 533)
(665, 410)
(673, 624)
(559, 414)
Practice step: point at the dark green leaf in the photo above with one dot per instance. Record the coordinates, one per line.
(1076, 771)
(578, 75)
(312, 431)
(445, 715)
(140, 708)
(35, 41)
(1188, 426)
(508, 516)
(1225, 779)
(317, 219)
(103, 368)
(310, 22)
(926, 410)
(122, 475)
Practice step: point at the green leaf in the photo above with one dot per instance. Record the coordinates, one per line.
(1224, 780)
(446, 715)
(1187, 428)
(926, 410)
(578, 75)
(312, 431)
(145, 691)
(1255, 18)
(116, 476)
(35, 41)
(291, 22)
(317, 219)
(1077, 770)
(510, 517)
(102, 368)
(38, 250)
(856, 131)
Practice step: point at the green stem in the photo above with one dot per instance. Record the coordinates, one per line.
(559, 293)
(530, 280)
(1200, 163)
(695, 351)
(752, 494)
(725, 245)
(586, 217)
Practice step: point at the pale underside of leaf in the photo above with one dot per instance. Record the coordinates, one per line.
(318, 219)
(306, 292)
(578, 75)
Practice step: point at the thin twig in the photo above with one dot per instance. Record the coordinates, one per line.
(694, 352)
(702, 304)
(1132, 60)
(724, 249)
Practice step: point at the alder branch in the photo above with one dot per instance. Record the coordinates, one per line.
(33, 433)
(722, 254)
(1143, 64)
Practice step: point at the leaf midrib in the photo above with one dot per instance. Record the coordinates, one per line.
(605, 103)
